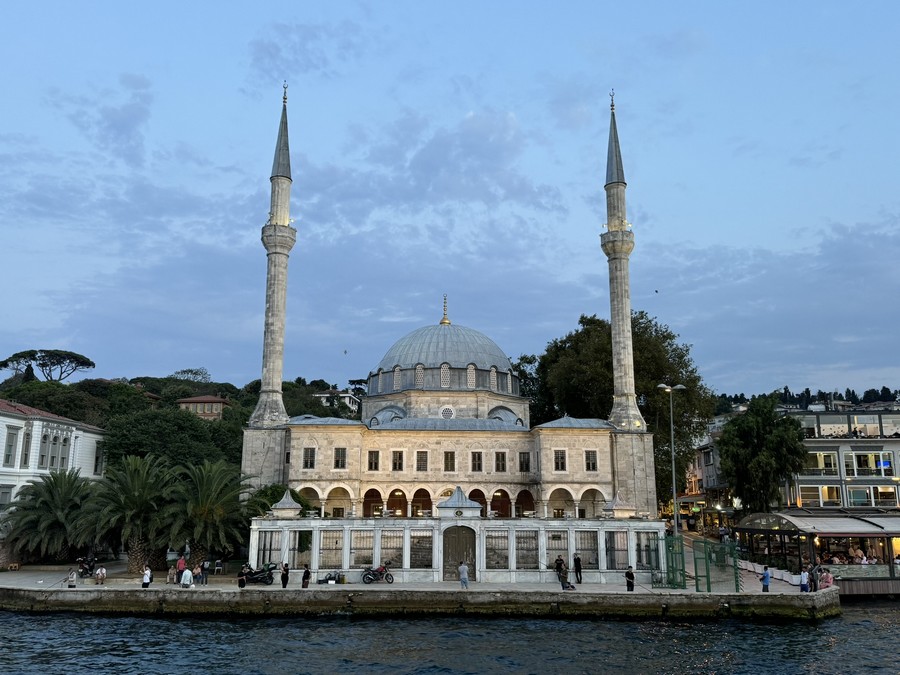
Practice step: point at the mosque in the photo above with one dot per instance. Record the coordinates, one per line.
(444, 465)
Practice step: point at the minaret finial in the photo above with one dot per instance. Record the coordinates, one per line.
(612, 99)
(284, 98)
(445, 321)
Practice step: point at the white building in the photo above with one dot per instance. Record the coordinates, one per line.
(35, 442)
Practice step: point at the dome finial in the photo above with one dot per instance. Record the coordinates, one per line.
(284, 98)
(445, 321)
(612, 99)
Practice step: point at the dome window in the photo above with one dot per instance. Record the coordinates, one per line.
(448, 413)
(420, 376)
(397, 378)
(493, 378)
(373, 422)
(445, 375)
(470, 376)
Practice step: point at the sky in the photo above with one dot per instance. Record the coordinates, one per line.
(452, 148)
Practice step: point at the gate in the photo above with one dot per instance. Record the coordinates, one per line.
(673, 575)
(459, 544)
(715, 567)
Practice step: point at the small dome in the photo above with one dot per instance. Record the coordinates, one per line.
(445, 343)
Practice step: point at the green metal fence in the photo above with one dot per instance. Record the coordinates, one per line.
(673, 576)
(715, 567)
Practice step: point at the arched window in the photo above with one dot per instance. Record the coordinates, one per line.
(420, 376)
(470, 376)
(45, 448)
(445, 375)
(380, 381)
(493, 378)
(396, 378)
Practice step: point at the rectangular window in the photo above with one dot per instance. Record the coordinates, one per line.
(500, 462)
(331, 549)
(525, 462)
(340, 458)
(420, 549)
(557, 544)
(45, 447)
(5, 496)
(647, 552)
(337, 512)
(810, 496)
(421, 460)
(586, 545)
(476, 462)
(616, 550)
(373, 460)
(885, 496)
(496, 549)
(526, 549)
(707, 457)
(559, 460)
(300, 553)
(9, 453)
(821, 463)
(392, 548)
(98, 460)
(397, 460)
(269, 549)
(309, 458)
(26, 450)
(362, 548)
(449, 461)
(590, 460)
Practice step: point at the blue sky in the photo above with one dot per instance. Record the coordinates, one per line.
(454, 148)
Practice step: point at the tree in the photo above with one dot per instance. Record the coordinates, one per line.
(131, 500)
(759, 451)
(176, 434)
(47, 519)
(54, 364)
(208, 512)
(574, 377)
(192, 375)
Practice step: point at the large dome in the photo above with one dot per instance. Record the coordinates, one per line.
(457, 346)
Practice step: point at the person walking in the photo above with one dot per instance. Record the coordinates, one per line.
(576, 565)
(463, 575)
(765, 579)
(285, 575)
(145, 580)
(306, 576)
(629, 579)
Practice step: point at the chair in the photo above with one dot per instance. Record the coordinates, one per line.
(218, 569)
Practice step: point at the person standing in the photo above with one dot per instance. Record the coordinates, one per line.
(100, 575)
(285, 575)
(804, 581)
(204, 572)
(187, 578)
(180, 567)
(629, 579)
(576, 565)
(463, 575)
(564, 578)
(306, 576)
(765, 579)
(145, 580)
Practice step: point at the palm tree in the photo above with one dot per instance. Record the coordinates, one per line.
(133, 500)
(208, 511)
(47, 520)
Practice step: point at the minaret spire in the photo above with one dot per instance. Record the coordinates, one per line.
(278, 238)
(617, 243)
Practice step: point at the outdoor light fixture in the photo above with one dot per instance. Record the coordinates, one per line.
(671, 392)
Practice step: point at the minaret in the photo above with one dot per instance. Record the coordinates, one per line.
(617, 244)
(278, 237)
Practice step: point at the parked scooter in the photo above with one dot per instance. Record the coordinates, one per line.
(86, 566)
(264, 575)
(381, 573)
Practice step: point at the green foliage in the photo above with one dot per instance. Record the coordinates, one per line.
(192, 375)
(177, 435)
(47, 519)
(574, 377)
(208, 511)
(759, 451)
(54, 364)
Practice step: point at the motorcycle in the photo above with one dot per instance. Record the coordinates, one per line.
(381, 573)
(86, 566)
(264, 575)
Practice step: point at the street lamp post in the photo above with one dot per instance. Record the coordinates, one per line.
(671, 392)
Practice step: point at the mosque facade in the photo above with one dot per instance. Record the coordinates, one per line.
(444, 464)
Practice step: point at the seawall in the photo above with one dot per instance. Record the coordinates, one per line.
(346, 601)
